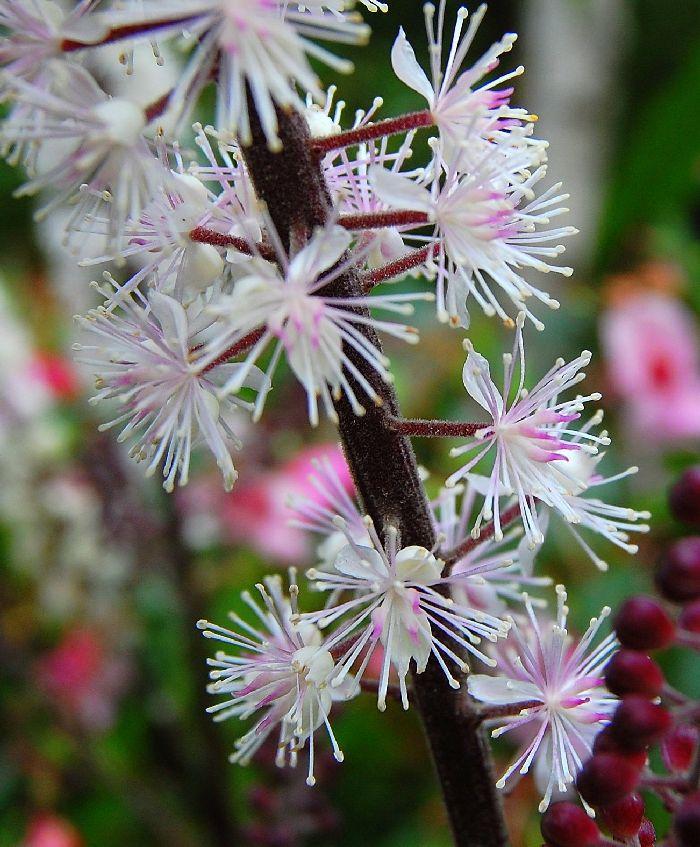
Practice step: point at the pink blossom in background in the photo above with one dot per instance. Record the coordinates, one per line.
(652, 351)
(48, 830)
(83, 678)
(256, 511)
(56, 374)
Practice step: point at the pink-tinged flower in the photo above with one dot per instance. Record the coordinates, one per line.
(652, 352)
(315, 332)
(461, 104)
(88, 147)
(281, 671)
(261, 43)
(33, 33)
(394, 602)
(145, 357)
(257, 511)
(82, 678)
(559, 681)
(489, 228)
(493, 572)
(328, 493)
(49, 830)
(529, 436)
(56, 374)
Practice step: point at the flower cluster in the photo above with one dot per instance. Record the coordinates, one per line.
(211, 287)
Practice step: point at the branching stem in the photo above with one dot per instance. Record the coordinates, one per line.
(434, 429)
(381, 129)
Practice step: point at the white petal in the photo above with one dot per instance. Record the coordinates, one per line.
(323, 250)
(348, 562)
(476, 371)
(500, 691)
(172, 319)
(407, 69)
(399, 191)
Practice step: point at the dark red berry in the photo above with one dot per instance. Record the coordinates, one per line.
(623, 818)
(607, 778)
(605, 742)
(690, 617)
(642, 624)
(684, 498)
(638, 723)
(678, 574)
(567, 825)
(678, 747)
(632, 672)
(646, 834)
(687, 821)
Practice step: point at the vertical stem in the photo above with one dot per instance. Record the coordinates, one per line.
(384, 468)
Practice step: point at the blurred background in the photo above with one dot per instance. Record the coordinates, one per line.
(102, 576)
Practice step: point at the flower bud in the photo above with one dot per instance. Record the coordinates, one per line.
(686, 825)
(678, 747)
(605, 742)
(684, 497)
(646, 834)
(690, 617)
(623, 818)
(632, 672)
(606, 778)
(638, 723)
(678, 574)
(642, 624)
(567, 825)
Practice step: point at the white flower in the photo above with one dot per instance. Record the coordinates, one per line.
(280, 671)
(528, 434)
(263, 44)
(88, 146)
(394, 602)
(491, 572)
(34, 31)
(317, 333)
(612, 522)
(561, 680)
(460, 106)
(146, 360)
(488, 229)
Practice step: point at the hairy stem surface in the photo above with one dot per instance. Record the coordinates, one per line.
(384, 468)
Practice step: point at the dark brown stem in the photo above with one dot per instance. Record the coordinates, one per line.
(433, 429)
(397, 268)
(487, 532)
(386, 474)
(379, 220)
(202, 235)
(381, 129)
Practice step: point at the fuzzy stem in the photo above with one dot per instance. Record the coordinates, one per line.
(236, 349)
(487, 531)
(380, 220)
(381, 129)
(397, 267)
(202, 235)
(127, 32)
(434, 429)
(508, 711)
(386, 474)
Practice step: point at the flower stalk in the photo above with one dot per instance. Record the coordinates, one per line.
(384, 467)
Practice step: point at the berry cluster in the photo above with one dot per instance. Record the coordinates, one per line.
(650, 712)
